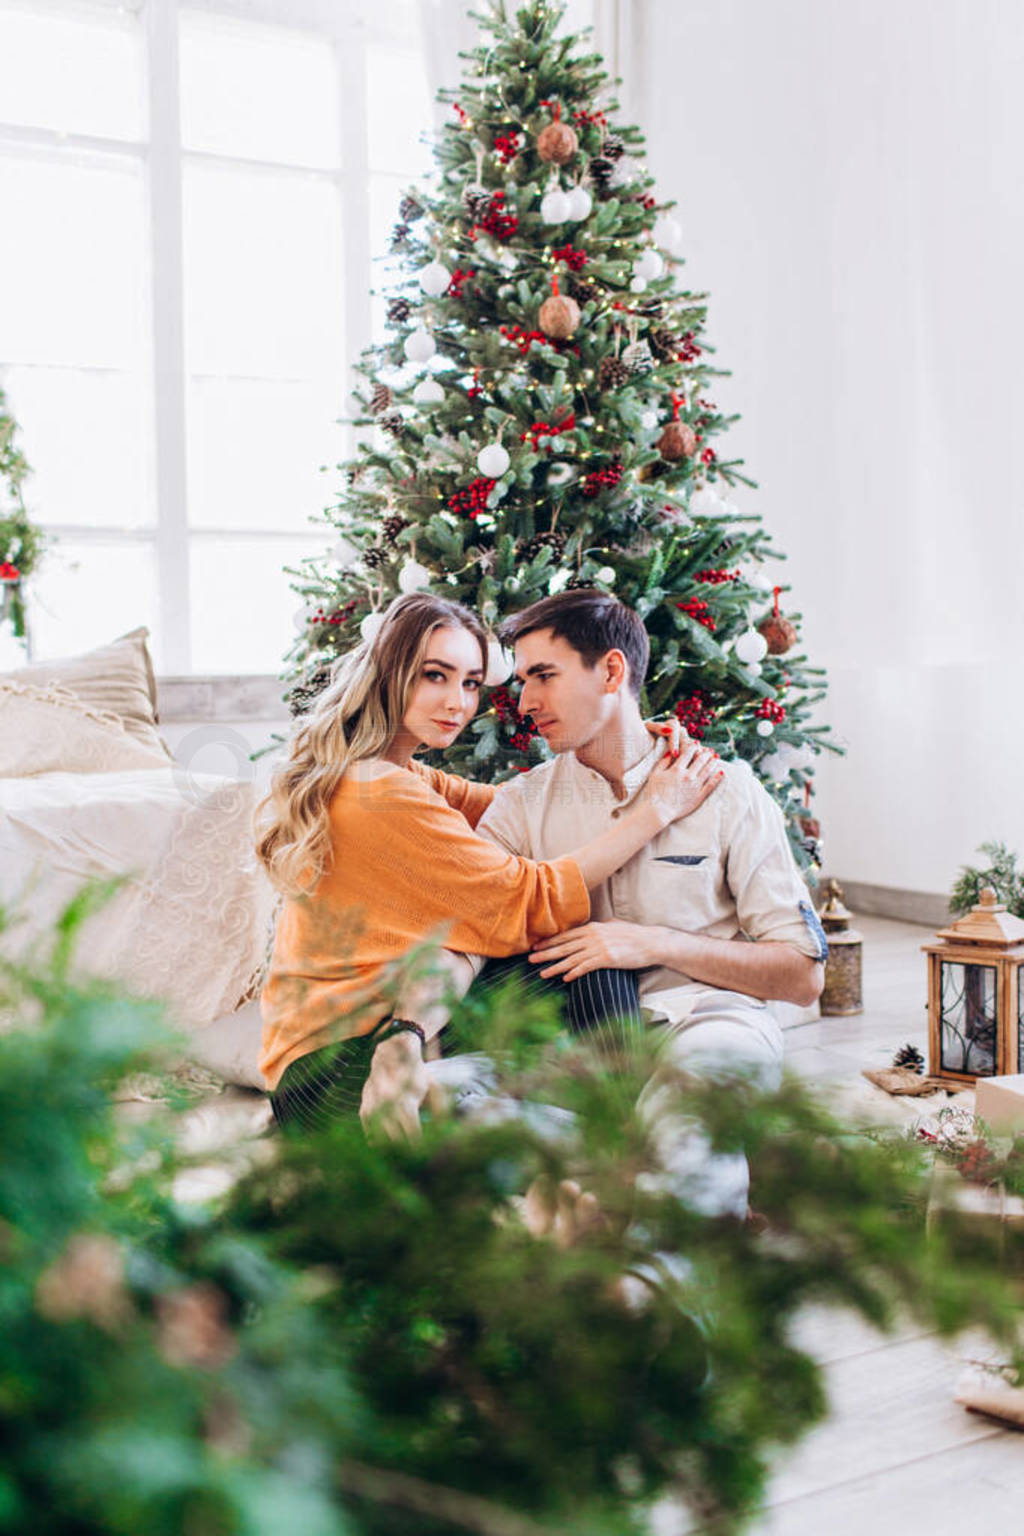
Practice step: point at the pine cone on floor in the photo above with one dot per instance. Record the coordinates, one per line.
(909, 1056)
(612, 373)
(399, 311)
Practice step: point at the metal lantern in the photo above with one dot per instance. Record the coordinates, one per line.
(842, 990)
(975, 995)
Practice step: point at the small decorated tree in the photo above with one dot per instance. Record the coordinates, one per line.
(543, 417)
(21, 542)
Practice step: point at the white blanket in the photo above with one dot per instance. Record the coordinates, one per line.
(192, 921)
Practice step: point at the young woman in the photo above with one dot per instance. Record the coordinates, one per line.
(375, 853)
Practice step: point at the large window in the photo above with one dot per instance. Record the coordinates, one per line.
(192, 196)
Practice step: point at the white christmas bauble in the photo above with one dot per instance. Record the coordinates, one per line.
(499, 664)
(428, 392)
(371, 627)
(669, 234)
(434, 279)
(560, 474)
(419, 346)
(775, 765)
(755, 669)
(638, 285)
(751, 646)
(493, 461)
(626, 170)
(649, 265)
(706, 503)
(648, 420)
(765, 728)
(344, 554)
(580, 204)
(554, 206)
(413, 577)
(802, 757)
(606, 576)
(302, 618)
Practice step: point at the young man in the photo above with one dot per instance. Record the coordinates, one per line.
(712, 916)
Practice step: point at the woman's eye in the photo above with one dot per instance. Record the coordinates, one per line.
(474, 683)
(434, 677)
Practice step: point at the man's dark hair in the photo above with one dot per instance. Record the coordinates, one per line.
(593, 623)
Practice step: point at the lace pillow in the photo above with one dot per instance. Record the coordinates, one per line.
(114, 679)
(49, 730)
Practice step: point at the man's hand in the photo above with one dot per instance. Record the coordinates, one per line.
(593, 947)
(396, 1087)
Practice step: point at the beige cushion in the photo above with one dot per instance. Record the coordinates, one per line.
(115, 679)
(49, 730)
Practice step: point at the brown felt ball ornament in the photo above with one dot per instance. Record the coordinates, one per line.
(559, 315)
(779, 632)
(557, 143)
(677, 441)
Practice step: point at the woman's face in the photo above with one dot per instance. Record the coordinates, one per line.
(445, 691)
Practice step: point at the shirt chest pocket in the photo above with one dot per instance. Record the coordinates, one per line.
(672, 889)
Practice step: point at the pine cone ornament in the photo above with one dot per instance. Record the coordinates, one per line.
(780, 633)
(553, 540)
(374, 558)
(391, 527)
(410, 209)
(475, 200)
(307, 690)
(399, 311)
(663, 342)
(583, 290)
(613, 149)
(601, 169)
(612, 373)
(909, 1056)
(637, 358)
(576, 582)
(678, 441)
(393, 422)
(380, 399)
(399, 235)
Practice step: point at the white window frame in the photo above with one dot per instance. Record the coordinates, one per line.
(349, 25)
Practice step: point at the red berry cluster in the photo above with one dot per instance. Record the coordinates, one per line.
(700, 611)
(573, 258)
(9, 572)
(649, 202)
(715, 578)
(976, 1162)
(688, 349)
(524, 340)
(476, 388)
(547, 429)
(473, 499)
(708, 456)
(458, 280)
(695, 714)
(507, 711)
(595, 482)
(769, 710)
(582, 116)
(461, 114)
(338, 617)
(497, 221)
(506, 147)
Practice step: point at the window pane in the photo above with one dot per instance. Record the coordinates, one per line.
(89, 592)
(76, 73)
(88, 438)
(254, 453)
(261, 92)
(242, 602)
(399, 109)
(263, 273)
(71, 263)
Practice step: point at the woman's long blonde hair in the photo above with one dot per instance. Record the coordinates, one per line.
(356, 716)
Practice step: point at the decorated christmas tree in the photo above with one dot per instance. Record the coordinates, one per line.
(543, 417)
(21, 543)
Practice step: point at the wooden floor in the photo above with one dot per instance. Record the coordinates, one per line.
(896, 1457)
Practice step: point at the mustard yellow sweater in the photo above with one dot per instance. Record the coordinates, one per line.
(406, 866)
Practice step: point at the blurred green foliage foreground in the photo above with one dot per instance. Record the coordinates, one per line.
(364, 1338)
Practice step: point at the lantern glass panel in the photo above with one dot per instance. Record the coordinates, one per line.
(969, 997)
(1020, 1018)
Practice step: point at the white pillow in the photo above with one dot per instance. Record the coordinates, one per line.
(49, 730)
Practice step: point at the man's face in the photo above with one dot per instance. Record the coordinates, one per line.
(568, 701)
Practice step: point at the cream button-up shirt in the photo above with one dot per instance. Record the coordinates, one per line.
(724, 872)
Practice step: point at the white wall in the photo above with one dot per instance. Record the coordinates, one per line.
(849, 179)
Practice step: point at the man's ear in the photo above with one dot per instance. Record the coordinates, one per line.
(616, 671)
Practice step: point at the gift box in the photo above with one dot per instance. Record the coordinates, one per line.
(999, 1102)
